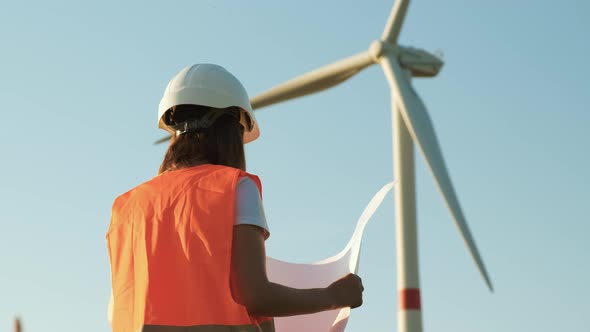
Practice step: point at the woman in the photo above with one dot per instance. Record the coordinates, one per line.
(187, 247)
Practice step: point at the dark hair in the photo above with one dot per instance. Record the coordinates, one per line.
(220, 144)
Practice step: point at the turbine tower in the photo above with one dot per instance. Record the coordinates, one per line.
(411, 124)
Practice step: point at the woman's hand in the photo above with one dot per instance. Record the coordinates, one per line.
(347, 291)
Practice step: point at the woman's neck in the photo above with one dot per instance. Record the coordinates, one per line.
(188, 164)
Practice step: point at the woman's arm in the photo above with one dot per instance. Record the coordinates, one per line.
(264, 298)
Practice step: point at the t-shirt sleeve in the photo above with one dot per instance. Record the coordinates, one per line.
(249, 209)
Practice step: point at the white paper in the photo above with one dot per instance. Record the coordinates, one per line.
(322, 274)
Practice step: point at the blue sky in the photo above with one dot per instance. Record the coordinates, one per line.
(80, 84)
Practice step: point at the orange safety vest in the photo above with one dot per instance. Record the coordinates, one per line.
(169, 244)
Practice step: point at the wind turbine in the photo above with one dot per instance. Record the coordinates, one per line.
(411, 124)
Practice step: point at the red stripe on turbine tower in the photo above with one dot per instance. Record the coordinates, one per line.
(409, 299)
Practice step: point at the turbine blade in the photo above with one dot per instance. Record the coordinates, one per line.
(314, 81)
(395, 21)
(420, 126)
(162, 140)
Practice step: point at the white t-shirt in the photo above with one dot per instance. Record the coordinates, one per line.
(249, 210)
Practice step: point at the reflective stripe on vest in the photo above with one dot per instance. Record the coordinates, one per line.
(169, 244)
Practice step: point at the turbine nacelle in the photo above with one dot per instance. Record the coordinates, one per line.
(419, 62)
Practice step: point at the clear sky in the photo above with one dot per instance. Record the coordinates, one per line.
(80, 83)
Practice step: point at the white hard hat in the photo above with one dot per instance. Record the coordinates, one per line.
(207, 85)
